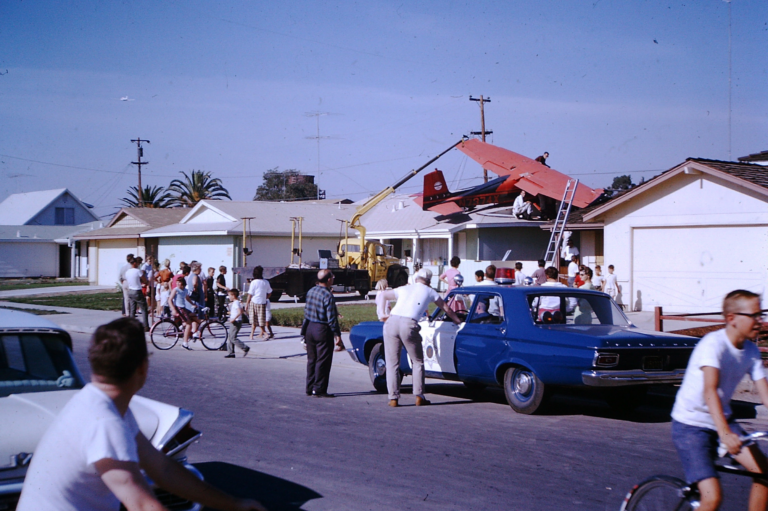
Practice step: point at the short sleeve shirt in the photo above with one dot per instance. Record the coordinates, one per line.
(259, 289)
(714, 350)
(448, 275)
(413, 300)
(62, 474)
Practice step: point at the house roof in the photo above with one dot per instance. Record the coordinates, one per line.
(144, 219)
(748, 175)
(41, 233)
(761, 156)
(21, 208)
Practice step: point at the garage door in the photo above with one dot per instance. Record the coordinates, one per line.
(691, 269)
(112, 257)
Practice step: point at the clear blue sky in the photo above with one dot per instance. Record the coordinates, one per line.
(608, 87)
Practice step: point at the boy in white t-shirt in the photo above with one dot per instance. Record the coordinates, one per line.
(702, 412)
(93, 454)
(235, 322)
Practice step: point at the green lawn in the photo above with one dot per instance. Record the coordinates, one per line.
(37, 312)
(96, 301)
(11, 285)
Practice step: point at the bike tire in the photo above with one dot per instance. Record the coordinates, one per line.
(659, 493)
(164, 334)
(213, 334)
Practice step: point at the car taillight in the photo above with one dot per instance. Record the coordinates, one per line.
(606, 359)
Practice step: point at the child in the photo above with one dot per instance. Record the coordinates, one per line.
(269, 319)
(598, 279)
(163, 293)
(178, 302)
(479, 275)
(611, 284)
(702, 411)
(235, 321)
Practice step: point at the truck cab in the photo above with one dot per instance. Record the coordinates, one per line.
(379, 261)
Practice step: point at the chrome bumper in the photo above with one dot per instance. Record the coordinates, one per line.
(633, 377)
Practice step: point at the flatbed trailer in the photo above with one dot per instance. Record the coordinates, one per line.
(295, 282)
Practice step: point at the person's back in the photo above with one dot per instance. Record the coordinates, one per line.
(413, 301)
(539, 276)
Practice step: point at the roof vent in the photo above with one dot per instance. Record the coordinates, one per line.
(400, 204)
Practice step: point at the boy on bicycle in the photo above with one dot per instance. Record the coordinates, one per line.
(702, 412)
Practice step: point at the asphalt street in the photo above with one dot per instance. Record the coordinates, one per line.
(264, 438)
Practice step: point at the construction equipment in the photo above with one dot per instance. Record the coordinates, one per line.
(553, 248)
(373, 256)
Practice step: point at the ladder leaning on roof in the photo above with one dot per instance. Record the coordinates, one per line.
(553, 248)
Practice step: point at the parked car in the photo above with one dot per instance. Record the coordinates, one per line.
(531, 340)
(38, 376)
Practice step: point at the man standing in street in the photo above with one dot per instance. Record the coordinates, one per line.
(93, 454)
(134, 279)
(402, 329)
(320, 327)
(121, 280)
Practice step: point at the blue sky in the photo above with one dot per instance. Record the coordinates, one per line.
(608, 87)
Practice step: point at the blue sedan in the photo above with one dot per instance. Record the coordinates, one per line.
(529, 340)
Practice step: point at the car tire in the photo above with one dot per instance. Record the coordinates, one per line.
(625, 399)
(377, 369)
(524, 390)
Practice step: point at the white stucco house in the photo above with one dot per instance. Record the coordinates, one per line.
(36, 234)
(688, 236)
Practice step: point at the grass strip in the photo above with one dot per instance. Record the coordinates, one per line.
(108, 301)
(12, 285)
(351, 315)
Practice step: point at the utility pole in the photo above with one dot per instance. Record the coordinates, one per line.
(482, 131)
(140, 152)
(317, 116)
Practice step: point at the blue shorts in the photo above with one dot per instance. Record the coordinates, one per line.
(697, 448)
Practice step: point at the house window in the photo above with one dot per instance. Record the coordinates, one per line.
(65, 216)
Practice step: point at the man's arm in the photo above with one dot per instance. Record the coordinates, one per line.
(440, 303)
(172, 477)
(333, 318)
(124, 479)
(727, 437)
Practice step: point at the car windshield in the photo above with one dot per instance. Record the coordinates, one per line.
(36, 362)
(576, 309)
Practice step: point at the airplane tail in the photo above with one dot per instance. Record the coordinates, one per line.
(435, 189)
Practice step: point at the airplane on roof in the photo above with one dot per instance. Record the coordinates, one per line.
(516, 173)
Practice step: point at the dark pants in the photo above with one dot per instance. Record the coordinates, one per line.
(221, 301)
(319, 339)
(137, 299)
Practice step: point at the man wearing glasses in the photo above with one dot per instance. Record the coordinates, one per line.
(702, 413)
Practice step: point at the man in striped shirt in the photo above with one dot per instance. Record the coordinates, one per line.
(320, 327)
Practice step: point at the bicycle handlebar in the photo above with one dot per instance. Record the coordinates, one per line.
(757, 435)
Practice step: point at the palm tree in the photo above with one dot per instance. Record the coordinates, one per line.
(152, 197)
(196, 187)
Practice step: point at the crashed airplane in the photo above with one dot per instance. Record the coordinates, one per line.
(516, 173)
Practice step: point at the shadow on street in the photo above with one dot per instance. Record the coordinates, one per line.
(275, 493)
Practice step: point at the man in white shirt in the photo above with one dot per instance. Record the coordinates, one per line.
(573, 270)
(121, 279)
(402, 329)
(91, 457)
(702, 413)
(134, 278)
(490, 274)
(569, 250)
(522, 208)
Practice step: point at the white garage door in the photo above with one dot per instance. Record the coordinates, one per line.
(112, 257)
(29, 259)
(691, 269)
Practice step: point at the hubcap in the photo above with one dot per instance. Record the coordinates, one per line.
(381, 366)
(523, 383)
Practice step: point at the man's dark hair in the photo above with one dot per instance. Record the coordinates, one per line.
(186, 270)
(587, 271)
(455, 261)
(542, 263)
(117, 350)
(222, 268)
(552, 273)
(129, 258)
(258, 272)
(480, 273)
(490, 272)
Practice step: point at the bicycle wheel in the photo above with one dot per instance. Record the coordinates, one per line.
(659, 493)
(213, 334)
(164, 334)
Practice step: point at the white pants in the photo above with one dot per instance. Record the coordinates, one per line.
(400, 331)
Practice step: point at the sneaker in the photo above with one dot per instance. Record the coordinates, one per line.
(231, 355)
(195, 336)
(245, 351)
(186, 346)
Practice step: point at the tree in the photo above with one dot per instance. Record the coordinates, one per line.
(288, 184)
(152, 197)
(196, 187)
(622, 183)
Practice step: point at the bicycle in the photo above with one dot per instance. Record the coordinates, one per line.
(165, 333)
(667, 493)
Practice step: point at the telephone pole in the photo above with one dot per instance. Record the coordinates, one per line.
(482, 131)
(140, 152)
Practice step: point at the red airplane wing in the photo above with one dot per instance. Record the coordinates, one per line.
(527, 174)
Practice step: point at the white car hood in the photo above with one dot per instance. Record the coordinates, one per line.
(24, 418)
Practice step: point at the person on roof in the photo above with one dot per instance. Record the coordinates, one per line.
(543, 159)
(522, 208)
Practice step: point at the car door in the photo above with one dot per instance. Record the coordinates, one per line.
(439, 337)
(481, 340)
